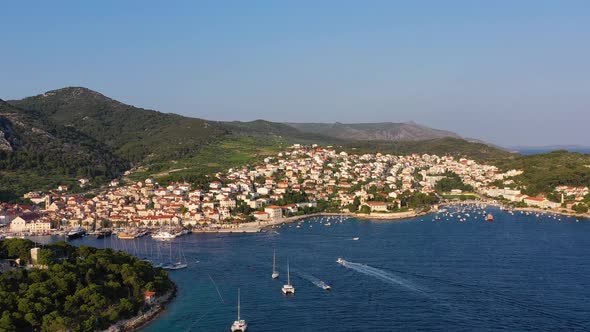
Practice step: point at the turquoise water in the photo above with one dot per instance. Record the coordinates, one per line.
(518, 273)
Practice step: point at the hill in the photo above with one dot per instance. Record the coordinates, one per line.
(543, 172)
(35, 154)
(384, 131)
(98, 137)
(441, 146)
(279, 130)
(133, 133)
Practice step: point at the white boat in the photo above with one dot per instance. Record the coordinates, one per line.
(163, 235)
(288, 288)
(275, 273)
(355, 238)
(340, 261)
(239, 325)
(76, 233)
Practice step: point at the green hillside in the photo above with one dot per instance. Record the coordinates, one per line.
(442, 146)
(133, 133)
(543, 172)
(40, 155)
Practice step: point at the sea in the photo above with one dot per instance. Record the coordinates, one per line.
(452, 271)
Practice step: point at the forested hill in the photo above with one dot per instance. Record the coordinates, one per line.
(35, 153)
(381, 131)
(133, 133)
(73, 289)
(543, 172)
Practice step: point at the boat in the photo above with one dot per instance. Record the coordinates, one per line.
(275, 273)
(489, 217)
(163, 235)
(288, 288)
(126, 236)
(239, 325)
(326, 287)
(103, 233)
(340, 261)
(76, 233)
(355, 238)
(180, 264)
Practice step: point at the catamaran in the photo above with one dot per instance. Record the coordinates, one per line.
(239, 325)
(275, 273)
(288, 288)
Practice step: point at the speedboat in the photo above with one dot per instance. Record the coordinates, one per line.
(275, 273)
(340, 261)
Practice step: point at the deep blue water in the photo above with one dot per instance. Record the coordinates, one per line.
(519, 273)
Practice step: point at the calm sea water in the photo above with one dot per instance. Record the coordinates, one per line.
(519, 273)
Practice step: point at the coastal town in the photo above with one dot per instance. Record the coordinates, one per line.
(295, 183)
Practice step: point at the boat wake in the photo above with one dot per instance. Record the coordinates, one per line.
(314, 280)
(382, 275)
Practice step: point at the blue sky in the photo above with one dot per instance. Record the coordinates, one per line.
(509, 72)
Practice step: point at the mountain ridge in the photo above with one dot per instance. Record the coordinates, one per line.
(378, 131)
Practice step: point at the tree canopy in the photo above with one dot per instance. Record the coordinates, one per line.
(77, 289)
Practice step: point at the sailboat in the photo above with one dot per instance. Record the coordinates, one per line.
(239, 325)
(180, 264)
(288, 288)
(275, 273)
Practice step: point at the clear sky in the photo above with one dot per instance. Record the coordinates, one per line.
(511, 72)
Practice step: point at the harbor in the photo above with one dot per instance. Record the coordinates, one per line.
(418, 269)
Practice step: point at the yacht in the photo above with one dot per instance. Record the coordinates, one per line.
(163, 235)
(126, 236)
(239, 325)
(103, 233)
(76, 233)
(275, 273)
(288, 288)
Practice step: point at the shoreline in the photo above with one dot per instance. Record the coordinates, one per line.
(144, 318)
(258, 226)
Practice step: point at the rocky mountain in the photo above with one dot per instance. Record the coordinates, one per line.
(383, 131)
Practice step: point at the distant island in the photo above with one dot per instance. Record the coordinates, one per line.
(59, 287)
